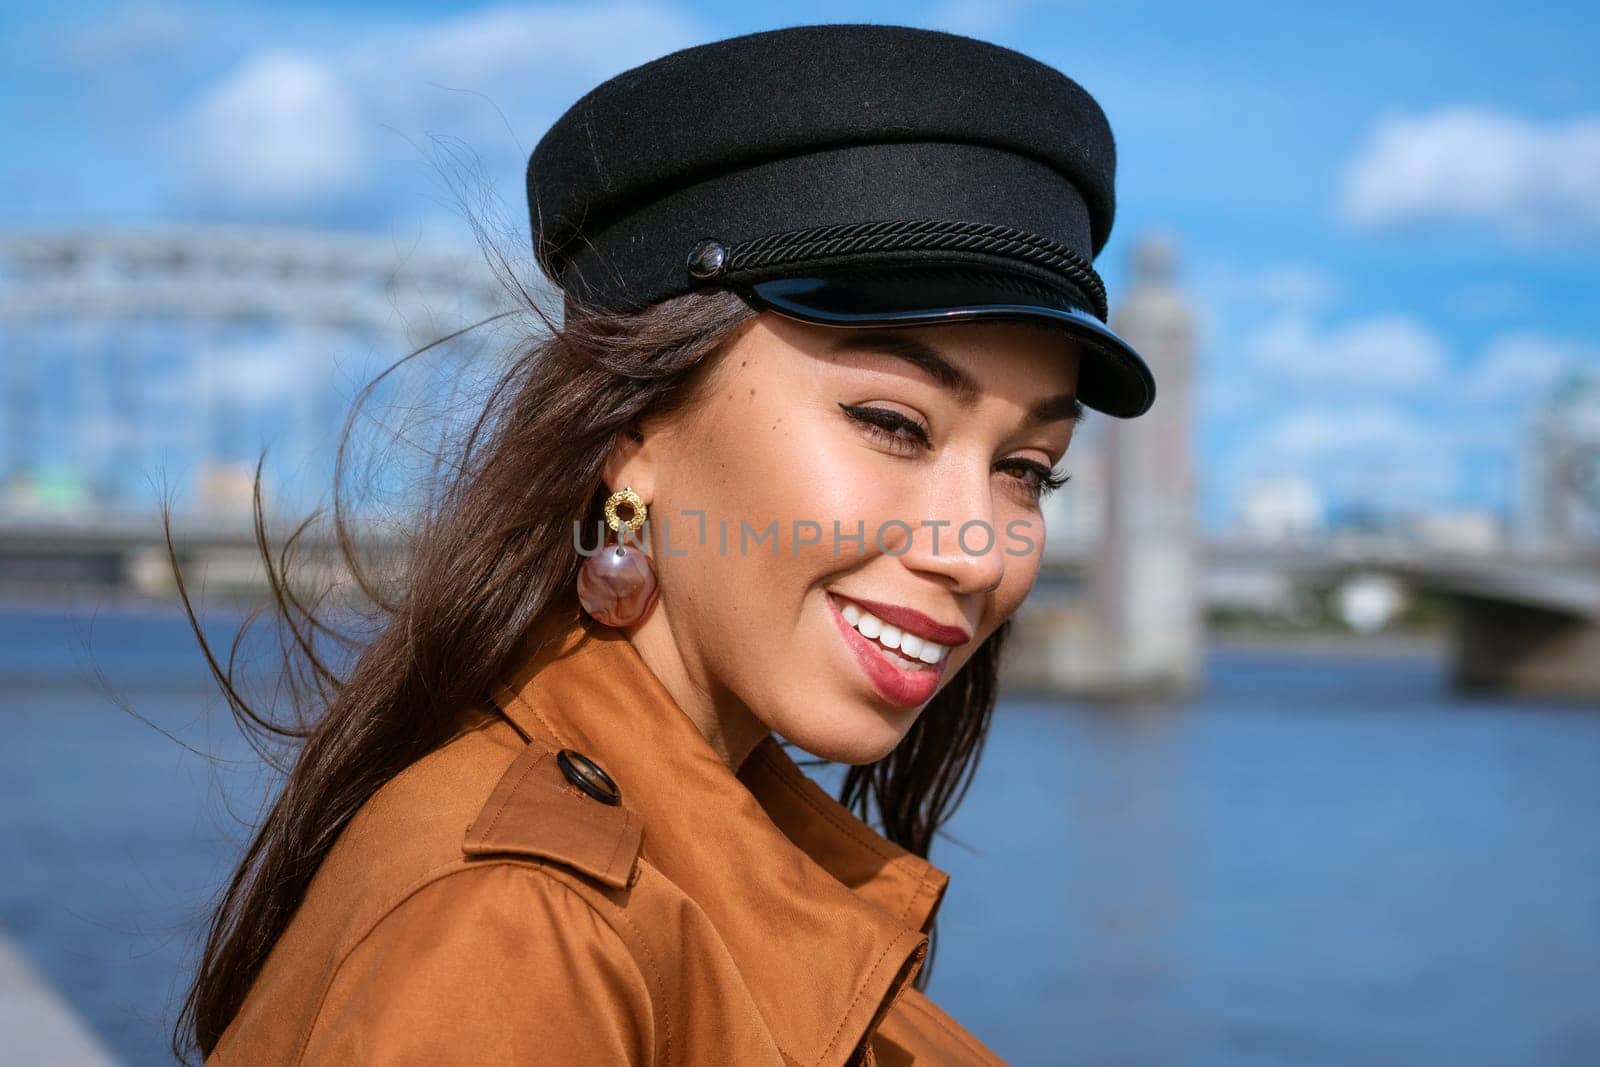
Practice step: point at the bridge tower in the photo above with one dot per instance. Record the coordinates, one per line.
(1145, 576)
(1117, 611)
(1559, 505)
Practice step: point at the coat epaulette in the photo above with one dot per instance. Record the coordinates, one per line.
(538, 809)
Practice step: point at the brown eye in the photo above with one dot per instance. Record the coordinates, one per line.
(1038, 479)
(890, 427)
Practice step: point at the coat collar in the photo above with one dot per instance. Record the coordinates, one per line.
(826, 919)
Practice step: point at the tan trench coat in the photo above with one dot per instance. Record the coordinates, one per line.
(481, 908)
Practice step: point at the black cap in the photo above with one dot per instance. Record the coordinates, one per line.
(845, 174)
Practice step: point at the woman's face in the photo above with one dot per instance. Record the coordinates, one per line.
(924, 447)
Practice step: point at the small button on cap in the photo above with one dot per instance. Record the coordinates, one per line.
(588, 776)
(707, 258)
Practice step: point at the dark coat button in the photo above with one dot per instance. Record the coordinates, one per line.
(707, 259)
(587, 775)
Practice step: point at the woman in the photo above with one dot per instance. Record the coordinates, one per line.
(830, 320)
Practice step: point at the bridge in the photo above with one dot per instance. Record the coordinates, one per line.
(1523, 621)
(191, 343)
(1520, 621)
(187, 346)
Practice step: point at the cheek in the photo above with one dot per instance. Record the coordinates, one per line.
(757, 458)
(749, 465)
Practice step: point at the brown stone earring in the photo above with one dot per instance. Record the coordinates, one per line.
(616, 586)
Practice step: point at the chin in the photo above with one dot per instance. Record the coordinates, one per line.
(858, 736)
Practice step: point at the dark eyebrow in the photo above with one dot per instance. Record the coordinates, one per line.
(948, 375)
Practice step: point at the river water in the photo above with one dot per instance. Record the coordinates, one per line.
(1323, 858)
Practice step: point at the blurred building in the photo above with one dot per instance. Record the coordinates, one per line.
(1119, 611)
(46, 491)
(1463, 530)
(1558, 506)
(1275, 509)
(227, 488)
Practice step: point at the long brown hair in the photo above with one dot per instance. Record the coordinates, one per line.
(489, 552)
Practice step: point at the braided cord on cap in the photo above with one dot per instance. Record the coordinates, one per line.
(826, 242)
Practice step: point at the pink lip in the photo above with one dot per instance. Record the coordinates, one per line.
(900, 686)
(914, 622)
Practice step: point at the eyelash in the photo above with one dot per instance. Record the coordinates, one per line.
(895, 429)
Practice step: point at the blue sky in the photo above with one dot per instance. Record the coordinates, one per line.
(1389, 215)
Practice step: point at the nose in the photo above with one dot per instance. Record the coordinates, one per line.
(955, 537)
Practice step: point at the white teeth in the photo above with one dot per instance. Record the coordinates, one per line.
(910, 646)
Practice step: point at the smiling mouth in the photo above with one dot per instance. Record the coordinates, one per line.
(904, 650)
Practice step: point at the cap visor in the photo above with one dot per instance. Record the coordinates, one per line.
(1112, 377)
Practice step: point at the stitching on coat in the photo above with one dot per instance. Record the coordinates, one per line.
(928, 888)
(616, 846)
(644, 946)
(868, 842)
(851, 829)
(512, 696)
(922, 891)
(506, 801)
(860, 990)
(439, 874)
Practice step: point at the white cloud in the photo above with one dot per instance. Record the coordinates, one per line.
(281, 132)
(497, 78)
(1375, 412)
(1385, 354)
(1529, 180)
(1377, 455)
(285, 131)
(1452, 435)
(1295, 287)
(1315, 431)
(1237, 297)
(1517, 368)
(1253, 289)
